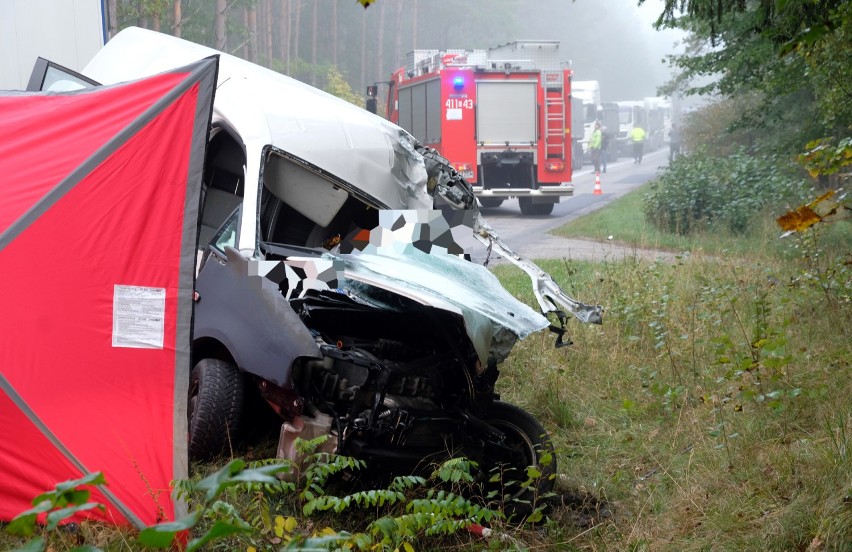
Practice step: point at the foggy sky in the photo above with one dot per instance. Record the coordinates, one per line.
(611, 41)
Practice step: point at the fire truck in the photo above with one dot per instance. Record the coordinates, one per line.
(501, 116)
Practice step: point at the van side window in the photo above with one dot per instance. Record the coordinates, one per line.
(227, 234)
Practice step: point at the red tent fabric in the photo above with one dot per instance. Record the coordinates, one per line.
(98, 229)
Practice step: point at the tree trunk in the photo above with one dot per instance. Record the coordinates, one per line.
(244, 48)
(219, 24)
(397, 54)
(268, 33)
(274, 27)
(177, 19)
(296, 27)
(252, 29)
(262, 31)
(113, 18)
(314, 44)
(380, 45)
(289, 7)
(284, 35)
(414, 26)
(363, 50)
(334, 41)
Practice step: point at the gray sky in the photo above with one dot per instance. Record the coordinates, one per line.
(611, 41)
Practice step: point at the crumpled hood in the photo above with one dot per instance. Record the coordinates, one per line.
(493, 318)
(422, 256)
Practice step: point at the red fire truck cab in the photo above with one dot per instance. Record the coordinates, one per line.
(501, 116)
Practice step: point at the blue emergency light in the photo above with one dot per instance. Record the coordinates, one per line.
(458, 83)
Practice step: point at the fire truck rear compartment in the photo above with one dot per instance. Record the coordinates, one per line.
(507, 169)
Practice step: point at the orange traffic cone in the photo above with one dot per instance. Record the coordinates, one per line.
(597, 190)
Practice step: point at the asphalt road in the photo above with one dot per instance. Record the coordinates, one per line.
(529, 236)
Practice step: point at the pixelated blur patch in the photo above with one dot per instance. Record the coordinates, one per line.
(429, 230)
(311, 274)
(294, 276)
(359, 240)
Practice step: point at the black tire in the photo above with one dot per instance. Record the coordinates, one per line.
(491, 202)
(526, 444)
(216, 396)
(534, 209)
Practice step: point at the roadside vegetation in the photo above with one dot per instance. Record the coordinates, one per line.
(711, 410)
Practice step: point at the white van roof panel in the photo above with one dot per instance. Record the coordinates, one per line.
(269, 108)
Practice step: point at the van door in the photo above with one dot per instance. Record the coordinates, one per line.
(50, 76)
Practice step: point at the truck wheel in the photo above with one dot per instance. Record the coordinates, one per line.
(216, 393)
(523, 470)
(491, 202)
(532, 209)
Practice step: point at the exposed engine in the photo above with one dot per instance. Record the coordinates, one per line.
(395, 381)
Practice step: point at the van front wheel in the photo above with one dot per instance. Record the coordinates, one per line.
(216, 395)
(521, 471)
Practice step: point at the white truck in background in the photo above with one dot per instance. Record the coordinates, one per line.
(659, 111)
(68, 32)
(577, 114)
(630, 114)
(653, 114)
(590, 93)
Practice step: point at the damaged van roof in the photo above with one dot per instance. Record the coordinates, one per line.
(269, 108)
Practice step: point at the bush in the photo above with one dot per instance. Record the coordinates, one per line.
(700, 191)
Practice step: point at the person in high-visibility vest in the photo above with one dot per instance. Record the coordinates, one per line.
(637, 136)
(595, 147)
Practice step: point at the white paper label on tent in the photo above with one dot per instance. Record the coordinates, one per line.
(138, 317)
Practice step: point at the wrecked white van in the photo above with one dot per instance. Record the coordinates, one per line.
(335, 280)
